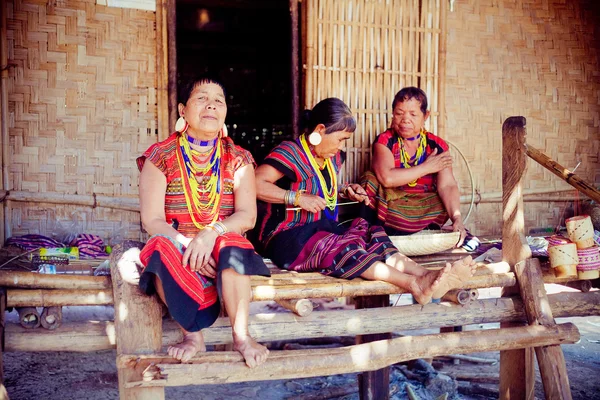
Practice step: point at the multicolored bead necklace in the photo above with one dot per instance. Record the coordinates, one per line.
(190, 173)
(330, 194)
(418, 158)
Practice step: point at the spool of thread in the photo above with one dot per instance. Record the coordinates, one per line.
(589, 263)
(581, 231)
(564, 260)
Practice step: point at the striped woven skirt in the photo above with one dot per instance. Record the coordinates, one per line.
(192, 298)
(401, 212)
(325, 247)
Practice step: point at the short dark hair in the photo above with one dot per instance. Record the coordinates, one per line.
(188, 86)
(331, 112)
(408, 93)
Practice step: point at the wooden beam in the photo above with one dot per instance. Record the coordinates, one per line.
(31, 280)
(517, 375)
(100, 335)
(551, 360)
(229, 367)
(295, 64)
(138, 330)
(563, 173)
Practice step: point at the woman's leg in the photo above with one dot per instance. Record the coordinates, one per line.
(236, 297)
(192, 342)
(421, 287)
(458, 272)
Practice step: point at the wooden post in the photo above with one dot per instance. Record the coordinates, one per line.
(535, 301)
(517, 374)
(138, 329)
(374, 385)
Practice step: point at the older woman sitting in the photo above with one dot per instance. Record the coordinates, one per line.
(411, 175)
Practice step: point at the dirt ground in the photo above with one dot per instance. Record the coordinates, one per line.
(93, 376)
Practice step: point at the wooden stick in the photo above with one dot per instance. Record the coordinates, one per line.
(472, 359)
(51, 317)
(92, 336)
(32, 280)
(29, 317)
(480, 377)
(58, 297)
(229, 367)
(301, 307)
(563, 173)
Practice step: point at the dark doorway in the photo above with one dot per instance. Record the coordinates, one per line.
(248, 45)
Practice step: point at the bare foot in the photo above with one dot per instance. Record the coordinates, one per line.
(192, 343)
(254, 353)
(424, 286)
(460, 272)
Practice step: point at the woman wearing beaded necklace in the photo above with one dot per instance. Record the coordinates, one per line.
(299, 230)
(412, 173)
(192, 187)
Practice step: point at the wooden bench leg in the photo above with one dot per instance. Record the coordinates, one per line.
(374, 385)
(138, 328)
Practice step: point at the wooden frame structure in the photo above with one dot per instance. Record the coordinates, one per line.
(526, 317)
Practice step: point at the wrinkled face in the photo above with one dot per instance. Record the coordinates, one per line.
(332, 143)
(408, 119)
(205, 110)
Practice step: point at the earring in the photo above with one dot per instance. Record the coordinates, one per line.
(223, 132)
(181, 125)
(315, 138)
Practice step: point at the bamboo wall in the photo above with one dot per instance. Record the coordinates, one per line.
(82, 97)
(539, 59)
(82, 106)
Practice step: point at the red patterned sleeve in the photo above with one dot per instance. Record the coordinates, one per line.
(156, 155)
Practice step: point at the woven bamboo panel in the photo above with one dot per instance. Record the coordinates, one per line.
(364, 52)
(82, 104)
(538, 59)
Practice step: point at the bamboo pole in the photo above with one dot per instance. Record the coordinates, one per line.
(295, 73)
(29, 317)
(94, 200)
(4, 135)
(32, 280)
(229, 367)
(92, 336)
(563, 173)
(57, 297)
(517, 375)
(458, 296)
(300, 307)
(441, 121)
(162, 68)
(51, 317)
(311, 17)
(171, 19)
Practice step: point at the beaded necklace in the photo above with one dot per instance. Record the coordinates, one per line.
(418, 158)
(330, 194)
(190, 173)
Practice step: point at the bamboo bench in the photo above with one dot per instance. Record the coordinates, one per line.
(525, 313)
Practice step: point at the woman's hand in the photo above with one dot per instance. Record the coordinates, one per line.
(357, 193)
(435, 163)
(198, 253)
(457, 226)
(311, 202)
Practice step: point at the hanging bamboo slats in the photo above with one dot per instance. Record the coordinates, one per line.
(364, 52)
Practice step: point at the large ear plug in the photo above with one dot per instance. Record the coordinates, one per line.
(314, 138)
(223, 132)
(181, 125)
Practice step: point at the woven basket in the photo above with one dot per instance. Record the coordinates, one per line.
(425, 242)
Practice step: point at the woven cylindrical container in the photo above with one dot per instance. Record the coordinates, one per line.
(589, 263)
(556, 240)
(564, 260)
(581, 231)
